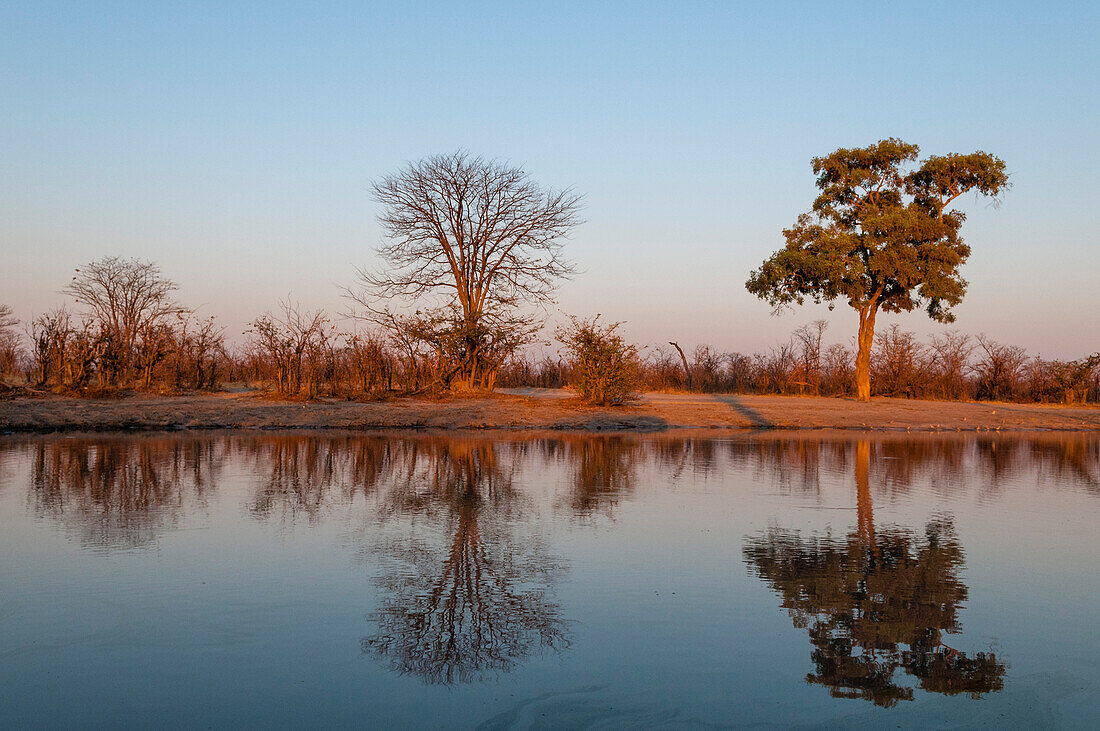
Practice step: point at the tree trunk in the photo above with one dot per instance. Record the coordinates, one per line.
(864, 511)
(863, 355)
(687, 370)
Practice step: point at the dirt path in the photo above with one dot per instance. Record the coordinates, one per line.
(535, 409)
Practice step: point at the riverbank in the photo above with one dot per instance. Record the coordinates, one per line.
(535, 409)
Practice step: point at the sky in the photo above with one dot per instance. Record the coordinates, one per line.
(235, 145)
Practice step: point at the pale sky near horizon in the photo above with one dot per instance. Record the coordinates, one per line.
(235, 144)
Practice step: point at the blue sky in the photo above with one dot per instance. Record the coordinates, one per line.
(235, 144)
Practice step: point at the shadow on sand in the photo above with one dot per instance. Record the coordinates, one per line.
(752, 415)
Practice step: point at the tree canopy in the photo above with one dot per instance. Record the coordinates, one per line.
(880, 237)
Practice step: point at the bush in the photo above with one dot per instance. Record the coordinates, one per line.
(604, 366)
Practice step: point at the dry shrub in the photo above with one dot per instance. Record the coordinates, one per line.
(605, 366)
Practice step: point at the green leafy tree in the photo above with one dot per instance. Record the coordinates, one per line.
(880, 237)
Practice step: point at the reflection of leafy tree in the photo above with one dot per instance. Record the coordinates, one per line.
(485, 604)
(121, 492)
(876, 602)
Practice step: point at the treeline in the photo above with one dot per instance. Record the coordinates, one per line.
(66, 351)
(125, 332)
(291, 353)
(308, 354)
(949, 366)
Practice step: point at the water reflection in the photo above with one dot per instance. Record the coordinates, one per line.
(309, 477)
(1074, 460)
(119, 492)
(604, 471)
(875, 603)
(463, 536)
(470, 598)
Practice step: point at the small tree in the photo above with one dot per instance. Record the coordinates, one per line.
(49, 334)
(949, 358)
(286, 339)
(604, 367)
(80, 354)
(998, 369)
(126, 297)
(154, 344)
(898, 360)
(199, 343)
(1069, 380)
(370, 366)
(809, 337)
(837, 370)
(880, 238)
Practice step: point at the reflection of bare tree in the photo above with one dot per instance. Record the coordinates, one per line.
(604, 470)
(792, 465)
(479, 603)
(797, 464)
(121, 492)
(1073, 458)
(876, 602)
(901, 463)
(300, 475)
(1067, 458)
(690, 456)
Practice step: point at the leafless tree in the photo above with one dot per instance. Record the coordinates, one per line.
(471, 240)
(684, 360)
(738, 372)
(154, 344)
(286, 339)
(897, 361)
(369, 364)
(9, 342)
(809, 338)
(48, 333)
(776, 369)
(949, 357)
(707, 365)
(126, 297)
(80, 353)
(661, 369)
(998, 368)
(199, 343)
(1061, 381)
(838, 370)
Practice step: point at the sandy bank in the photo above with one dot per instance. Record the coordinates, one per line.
(535, 409)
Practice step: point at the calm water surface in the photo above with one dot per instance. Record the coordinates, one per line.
(602, 581)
